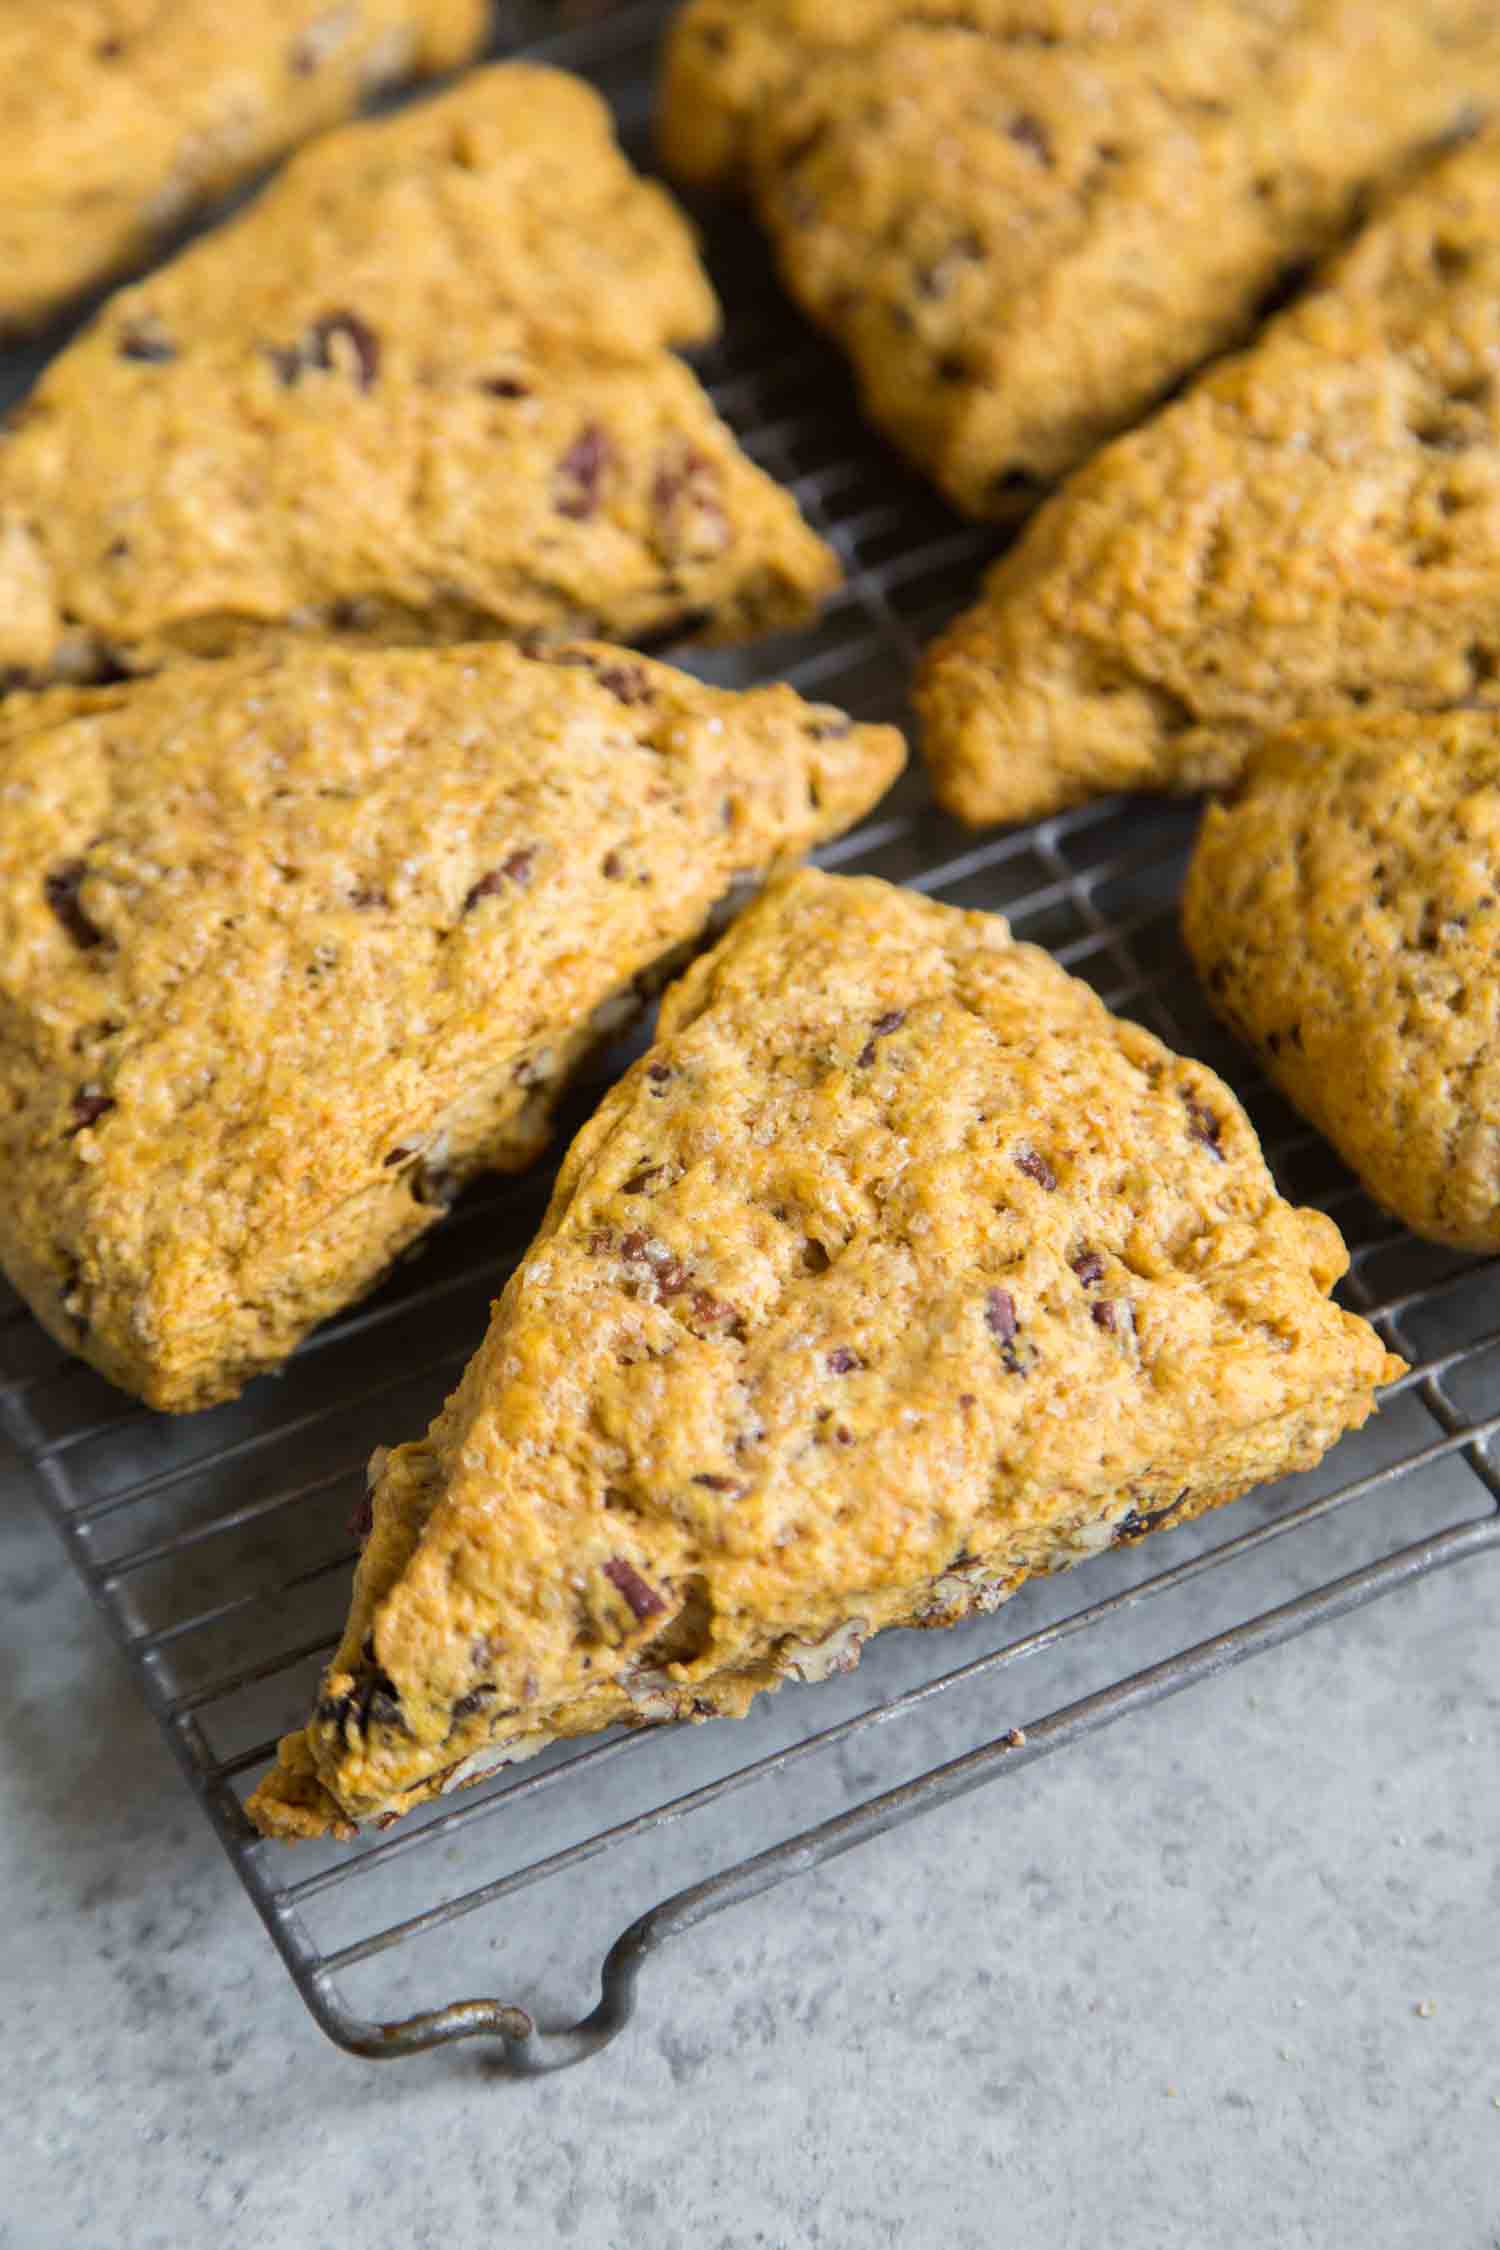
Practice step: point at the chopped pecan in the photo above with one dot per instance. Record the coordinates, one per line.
(374, 1700)
(146, 339)
(1031, 134)
(880, 1029)
(61, 890)
(338, 341)
(1036, 1168)
(90, 1103)
(578, 480)
(1135, 1524)
(687, 499)
(515, 869)
(642, 1598)
(360, 342)
(1204, 1125)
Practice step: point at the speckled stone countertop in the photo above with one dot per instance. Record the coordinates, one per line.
(1226, 1975)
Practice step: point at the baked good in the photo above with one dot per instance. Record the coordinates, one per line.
(419, 392)
(898, 1270)
(1025, 220)
(292, 945)
(1314, 527)
(119, 117)
(1344, 911)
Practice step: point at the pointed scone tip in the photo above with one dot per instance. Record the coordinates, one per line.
(897, 1272)
(118, 127)
(722, 64)
(1344, 914)
(1311, 528)
(1025, 228)
(292, 946)
(421, 391)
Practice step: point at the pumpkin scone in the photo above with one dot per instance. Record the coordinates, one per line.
(292, 945)
(1314, 527)
(119, 117)
(421, 391)
(1344, 911)
(898, 1271)
(1026, 220)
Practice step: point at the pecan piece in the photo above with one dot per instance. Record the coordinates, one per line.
(89, 1105)
(687, 500)
(516, 868)
(146, 339)
(578, 481)
(1204, 1125)
(361, 346)
(880, 1029)
(61, 890)
(640, 1596)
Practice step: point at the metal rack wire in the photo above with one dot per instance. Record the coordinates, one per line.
(218, 1548)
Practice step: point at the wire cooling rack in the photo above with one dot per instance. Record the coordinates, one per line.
(219, 1548)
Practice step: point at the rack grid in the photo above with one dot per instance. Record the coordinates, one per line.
(218, 1548)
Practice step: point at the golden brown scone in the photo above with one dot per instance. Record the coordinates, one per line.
(897, 1271)
(1026, 221)
(292, 945)
(1344, 911)
(726, 62)
(1315, 526)
(118, 117)
(420, 392)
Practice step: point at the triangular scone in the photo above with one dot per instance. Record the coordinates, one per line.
(1314, 527)
(897, 1271)
(292, 945)
(421, 391)
(119, 116)
(1025, 220)
(1344, 910)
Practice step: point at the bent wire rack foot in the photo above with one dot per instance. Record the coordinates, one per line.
(219, 1548)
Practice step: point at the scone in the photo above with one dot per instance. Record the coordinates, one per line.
(420, 392)
(1344, 910)
(118, 117)
(1313, 528)
(898, 1271)
(1025, 220)
(292, 945)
